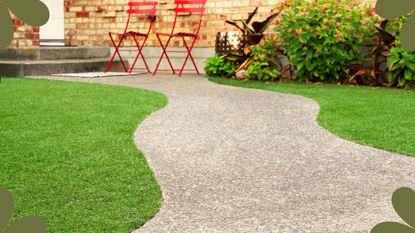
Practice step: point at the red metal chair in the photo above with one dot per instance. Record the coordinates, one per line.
(135, 8)
(182, 6)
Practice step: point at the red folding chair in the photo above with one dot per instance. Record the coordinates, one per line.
(182, 6)
(135, 8)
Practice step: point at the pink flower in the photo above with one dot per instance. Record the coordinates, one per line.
(373, 11)
(295, 32)
(282, 5)
(277, 22)
(240, 74)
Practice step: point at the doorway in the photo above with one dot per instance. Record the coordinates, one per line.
(53, 32)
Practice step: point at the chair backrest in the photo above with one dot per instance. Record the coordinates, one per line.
(190, 6)
(148, 8)
(142, 8)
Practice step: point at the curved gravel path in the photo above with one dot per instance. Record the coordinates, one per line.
(241, 160)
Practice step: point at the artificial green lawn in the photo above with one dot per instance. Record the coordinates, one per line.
(379, 117)
(67, 154)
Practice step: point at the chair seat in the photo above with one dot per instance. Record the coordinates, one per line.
(130, 33)
(177, 34)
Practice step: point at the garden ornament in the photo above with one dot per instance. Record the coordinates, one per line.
(394, 9)
(403, 201)
(32, 12)
(31, 224)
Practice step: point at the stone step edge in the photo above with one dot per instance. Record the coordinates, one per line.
(69, 61)
(54, 53)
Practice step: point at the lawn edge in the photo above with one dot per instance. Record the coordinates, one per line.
(217, 80)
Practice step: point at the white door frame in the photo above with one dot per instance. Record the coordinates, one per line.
(53, 32)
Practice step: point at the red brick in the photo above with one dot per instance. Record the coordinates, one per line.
(82, 14)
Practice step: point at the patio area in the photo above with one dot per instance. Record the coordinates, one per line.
(195, 116)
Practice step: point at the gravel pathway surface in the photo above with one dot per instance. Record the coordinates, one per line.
(240, 160)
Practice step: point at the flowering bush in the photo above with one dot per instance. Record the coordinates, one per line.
(323, 37)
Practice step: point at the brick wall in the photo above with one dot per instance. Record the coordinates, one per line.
(87, 22)
(24, 35)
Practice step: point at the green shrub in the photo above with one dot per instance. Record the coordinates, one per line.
(401, 63)
(323, 37)
(265, 65)
(401, 67)
(217, 66)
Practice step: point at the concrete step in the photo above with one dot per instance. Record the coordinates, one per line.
(10, 68)
(54, 53)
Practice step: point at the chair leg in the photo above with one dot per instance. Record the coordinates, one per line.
(164, 48)
(189, 55)
(116, 52)
(140, 53)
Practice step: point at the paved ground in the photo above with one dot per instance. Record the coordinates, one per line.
(241, 160)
